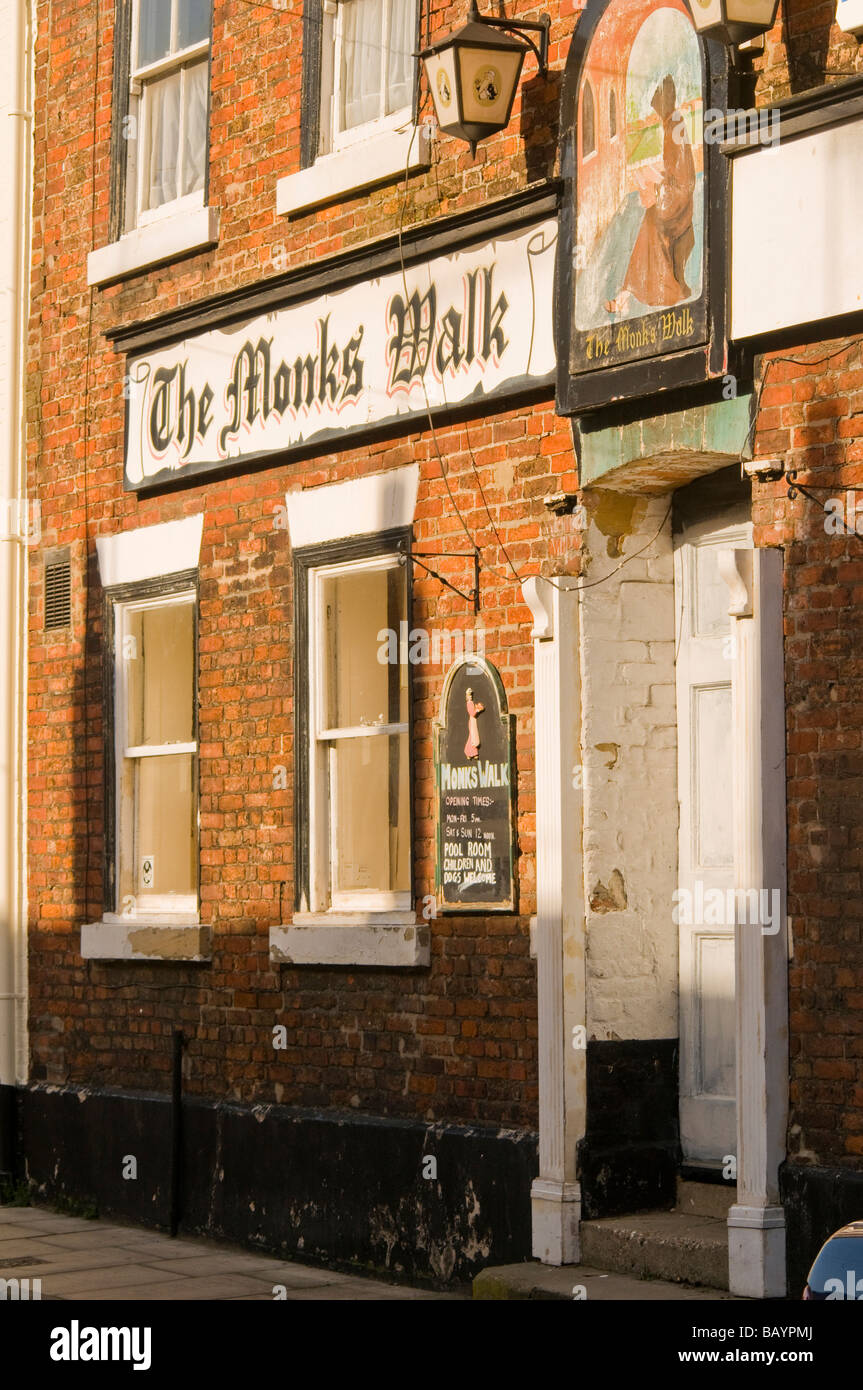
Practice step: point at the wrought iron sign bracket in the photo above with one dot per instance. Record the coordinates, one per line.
(796, 488)
(523, 28)
(472, 596)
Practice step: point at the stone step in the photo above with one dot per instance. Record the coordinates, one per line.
(705, 1198)
(672, 1245)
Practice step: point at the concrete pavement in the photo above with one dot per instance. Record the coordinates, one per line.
(79, 1260)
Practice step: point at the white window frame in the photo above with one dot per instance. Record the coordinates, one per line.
(322, 827)
(145, 905)
(332, 139)
(141, 81)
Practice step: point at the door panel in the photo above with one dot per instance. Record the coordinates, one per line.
(705, 672)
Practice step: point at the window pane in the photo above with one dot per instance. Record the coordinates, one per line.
(158, 651)
(370, 799)
(163, 136)
(193, 21)
(362, 42)
(159, 851)
(195, 136)
(400, 71)
(363, 686)
(154, 30)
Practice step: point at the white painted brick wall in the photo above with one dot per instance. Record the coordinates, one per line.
(631, 816)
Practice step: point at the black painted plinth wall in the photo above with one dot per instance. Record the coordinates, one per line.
(817, 1201)
(8, 1147)
(330, 1187)
(629, 1158)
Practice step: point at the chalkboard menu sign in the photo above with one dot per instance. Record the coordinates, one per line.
(475, 791)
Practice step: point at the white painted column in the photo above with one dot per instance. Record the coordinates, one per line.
(560, 920)
(756, 1223)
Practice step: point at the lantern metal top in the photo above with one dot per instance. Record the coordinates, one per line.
(733, 22)
(479, 33)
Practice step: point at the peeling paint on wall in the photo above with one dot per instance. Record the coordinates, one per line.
(612, 748)
(612, 898)
(615, 516)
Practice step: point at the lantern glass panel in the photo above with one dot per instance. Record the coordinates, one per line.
(758, 13)
(440, 71)
(707, 13)
(488, 81)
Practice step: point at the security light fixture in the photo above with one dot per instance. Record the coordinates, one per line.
(733, 21)
(473, 74)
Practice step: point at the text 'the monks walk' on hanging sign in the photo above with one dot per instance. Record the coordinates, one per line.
(641, 274)
(475, 791)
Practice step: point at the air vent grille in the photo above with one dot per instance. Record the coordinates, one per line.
(58, 594)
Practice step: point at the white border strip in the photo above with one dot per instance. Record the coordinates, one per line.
(359, 507)
(335, 176)
(150, 551)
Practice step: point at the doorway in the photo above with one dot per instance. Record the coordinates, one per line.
(704, 902)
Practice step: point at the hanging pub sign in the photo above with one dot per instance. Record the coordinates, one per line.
(323, 359)
(641, 275)
(475, 791)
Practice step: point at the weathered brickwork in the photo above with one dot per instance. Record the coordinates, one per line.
(810, 416)
(456, 1040)
(804, 49)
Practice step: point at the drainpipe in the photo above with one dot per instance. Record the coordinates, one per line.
(16, 145)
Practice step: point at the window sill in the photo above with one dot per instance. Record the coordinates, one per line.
(164, 239)
(378, 160)
(153, 937)
(351, 938)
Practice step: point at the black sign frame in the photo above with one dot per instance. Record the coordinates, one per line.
(484, 804)
(705, 355)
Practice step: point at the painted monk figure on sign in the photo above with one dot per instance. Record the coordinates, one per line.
(656, 274)
(471, 748)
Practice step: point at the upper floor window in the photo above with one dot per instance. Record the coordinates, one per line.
(367, 69)
(167, 111)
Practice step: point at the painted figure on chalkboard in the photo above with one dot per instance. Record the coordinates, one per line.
(471, 748)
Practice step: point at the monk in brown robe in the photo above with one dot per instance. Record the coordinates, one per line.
(656, 274)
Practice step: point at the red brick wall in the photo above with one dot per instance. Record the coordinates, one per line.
(456, 1041)
(804, 49)
(811, 415)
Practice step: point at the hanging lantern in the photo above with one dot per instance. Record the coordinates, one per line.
(733, 21)
(473, 75)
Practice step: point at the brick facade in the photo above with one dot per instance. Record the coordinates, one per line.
(454, 1043)
(809, 415)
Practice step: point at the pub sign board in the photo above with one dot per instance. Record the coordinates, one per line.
(641, 273)
(474, 791)
(472, 324)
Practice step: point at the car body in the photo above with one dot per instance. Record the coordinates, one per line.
(837, 1271)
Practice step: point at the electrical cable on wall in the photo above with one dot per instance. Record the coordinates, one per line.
(497, 574)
